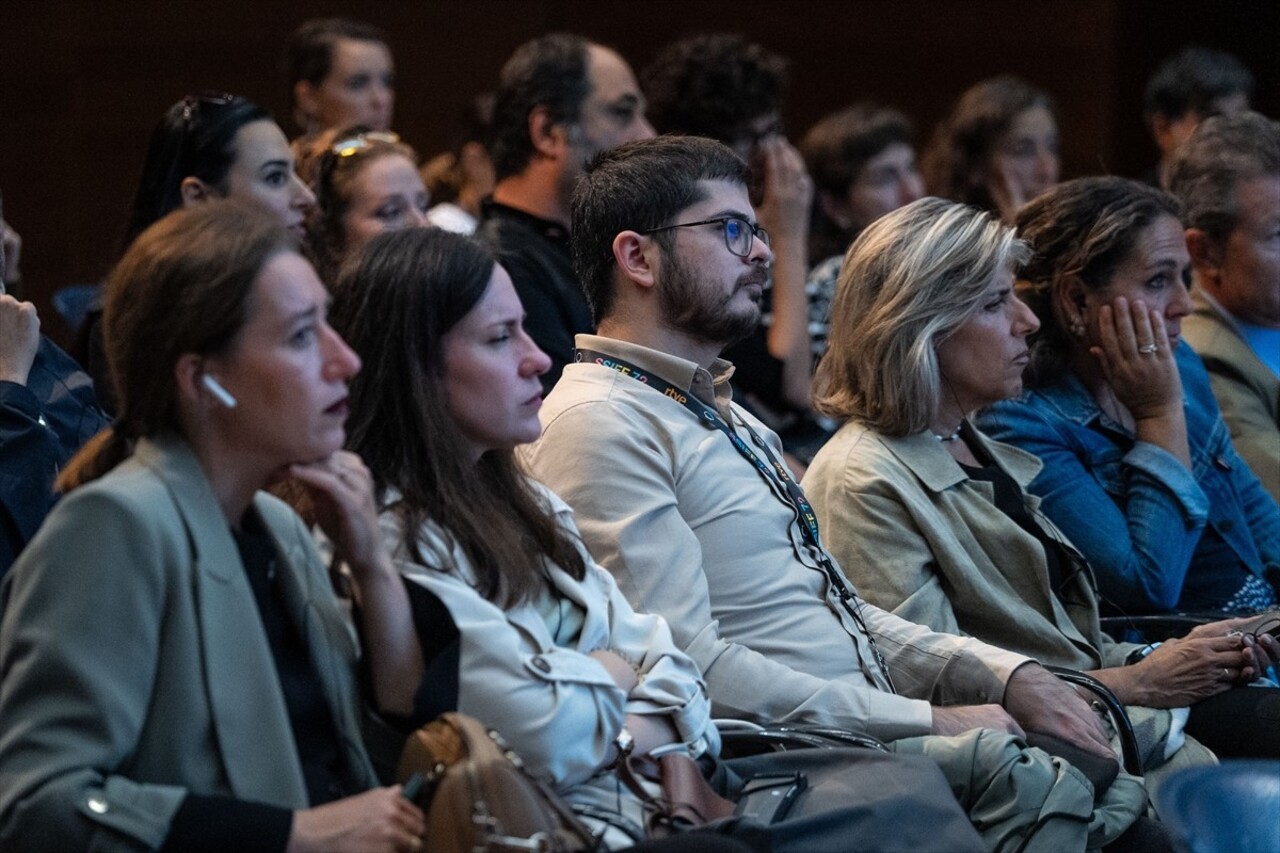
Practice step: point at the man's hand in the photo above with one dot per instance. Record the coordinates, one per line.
(958, 719)
(788, 191)
(19, 339)
(1042, 702)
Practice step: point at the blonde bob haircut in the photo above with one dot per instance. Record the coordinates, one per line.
(910, 279)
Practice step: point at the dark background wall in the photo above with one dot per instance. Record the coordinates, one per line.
(83, 81)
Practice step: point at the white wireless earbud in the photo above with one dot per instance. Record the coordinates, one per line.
(222, 395)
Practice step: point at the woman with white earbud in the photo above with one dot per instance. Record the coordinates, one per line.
(179, 674)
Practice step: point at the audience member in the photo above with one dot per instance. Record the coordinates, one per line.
(462, 177)
(205, 147)
(366, 182)
(560, 100)
(1188, 87)
(520, 627)
(863, 166)
(931, 519)
(998, 148)
(1227, 177)
(725, 88)
(47, 411)
(178, 674)
(1139, 470)
(678, 493)
(340, 74)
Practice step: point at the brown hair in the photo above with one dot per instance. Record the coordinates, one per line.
(956, 163)
(183, 286)
(394, 302)
(331, 176)
(1083, 230)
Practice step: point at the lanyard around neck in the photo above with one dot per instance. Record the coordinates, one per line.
(768, 468)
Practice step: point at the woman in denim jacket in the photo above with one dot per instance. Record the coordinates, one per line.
(1139, 470)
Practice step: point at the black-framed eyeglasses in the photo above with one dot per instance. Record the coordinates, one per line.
(739, 234)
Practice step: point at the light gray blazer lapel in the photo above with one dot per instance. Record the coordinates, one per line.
(250, 718)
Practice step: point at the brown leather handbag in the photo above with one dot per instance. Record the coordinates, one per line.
(687, 800)
(477, 794)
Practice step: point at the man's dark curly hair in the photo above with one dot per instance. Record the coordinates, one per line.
(713, 85)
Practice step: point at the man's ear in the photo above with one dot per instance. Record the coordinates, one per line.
(636, 255)
(194, 190)
(547, 136)
(1206, 254)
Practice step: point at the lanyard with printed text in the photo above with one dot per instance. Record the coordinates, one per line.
(795, 497)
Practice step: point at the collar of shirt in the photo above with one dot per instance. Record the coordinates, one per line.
(938, 470)
(550, 229)
(1264, 341)
(710, 386)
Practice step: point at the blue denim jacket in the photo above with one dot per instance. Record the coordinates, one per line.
(1158, 536)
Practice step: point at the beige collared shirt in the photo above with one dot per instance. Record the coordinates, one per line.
(691, 530)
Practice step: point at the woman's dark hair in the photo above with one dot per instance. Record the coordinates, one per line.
(183, 286)
(394, 301)
(955, 164)
(330, 175)
(1082, 230)
(195, 139)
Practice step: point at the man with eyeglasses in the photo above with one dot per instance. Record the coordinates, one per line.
(726, 88)
(560, 100)
(679, 493)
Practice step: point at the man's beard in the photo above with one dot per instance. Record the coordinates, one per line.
(688, 307)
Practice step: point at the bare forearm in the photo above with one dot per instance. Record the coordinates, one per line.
(391, 642)
(651, 732)
(1129, 685)
(788, 336)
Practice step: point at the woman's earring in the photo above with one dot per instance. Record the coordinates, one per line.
(1077, 326)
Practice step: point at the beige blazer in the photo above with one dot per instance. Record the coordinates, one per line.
(921, 539)
(1247, 391)
(135, 667)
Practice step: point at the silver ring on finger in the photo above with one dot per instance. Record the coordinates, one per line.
(1227, 673)
(1148, 349)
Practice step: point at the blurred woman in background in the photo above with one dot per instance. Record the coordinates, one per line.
(998, 149)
